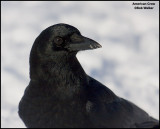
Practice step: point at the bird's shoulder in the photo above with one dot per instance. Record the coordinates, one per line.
(104, 105)
(99, 91)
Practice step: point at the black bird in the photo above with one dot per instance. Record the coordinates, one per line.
(61, 94)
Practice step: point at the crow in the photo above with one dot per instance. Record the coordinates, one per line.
(61, 95)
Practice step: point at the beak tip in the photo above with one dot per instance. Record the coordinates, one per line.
(94, 46)
(99, 46)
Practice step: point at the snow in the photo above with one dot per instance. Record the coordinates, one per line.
(127, 63)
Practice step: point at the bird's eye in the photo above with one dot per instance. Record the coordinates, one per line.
(58, 41)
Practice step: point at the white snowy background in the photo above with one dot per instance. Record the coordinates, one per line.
(127, 63)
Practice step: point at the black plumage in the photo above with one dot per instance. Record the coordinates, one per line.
(61, 94)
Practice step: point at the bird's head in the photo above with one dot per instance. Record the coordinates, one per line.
(63, 38)
(56, 42)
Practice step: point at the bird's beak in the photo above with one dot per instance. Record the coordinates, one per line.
(79, 42)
